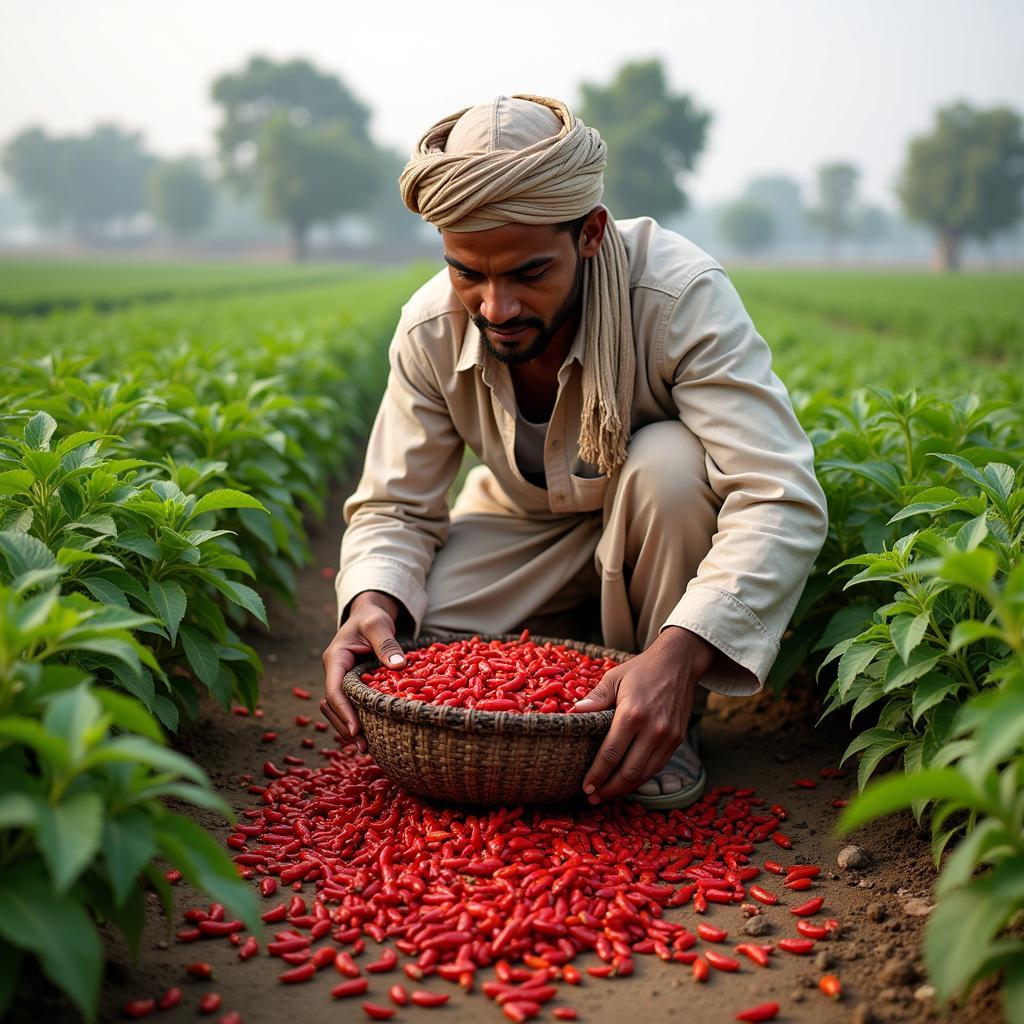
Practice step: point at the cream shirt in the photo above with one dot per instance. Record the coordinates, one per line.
(699, 360)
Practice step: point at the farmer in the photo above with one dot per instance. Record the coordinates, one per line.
(638, 454)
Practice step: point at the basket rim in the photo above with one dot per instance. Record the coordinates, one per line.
(400, 709)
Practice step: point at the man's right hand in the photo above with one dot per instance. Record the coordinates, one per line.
(369, 628)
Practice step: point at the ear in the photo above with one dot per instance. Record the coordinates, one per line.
(593, 232)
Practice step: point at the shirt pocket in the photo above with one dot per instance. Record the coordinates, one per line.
(588, 492)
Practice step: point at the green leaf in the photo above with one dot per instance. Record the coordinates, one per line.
(25, 553)
(69, 836)
(907, 632)
(16, 481)
(987, 835)
(970, 631)
(865, 739)
(140, 543)
(75, 717)
(57, 929)
(32, 734)
(1002, 733)
(242, 595)
(225, 498)
(973, 569)
(104, 591)
(129, 842)
(921, 661)
(200, 653)
(956, 942)
(39, 430)
(873, 756)
(846, 623)
(853, 662)
(971, 534)
(170, 602)
(899, 791)
(203, 863)
(142, 751)
(128, 714)
(17, 810)
(930, 689)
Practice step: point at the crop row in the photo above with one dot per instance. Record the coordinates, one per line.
(147, 481)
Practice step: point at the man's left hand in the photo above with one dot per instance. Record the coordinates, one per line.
(653, 696)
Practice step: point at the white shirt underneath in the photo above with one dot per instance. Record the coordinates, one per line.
(530, 449)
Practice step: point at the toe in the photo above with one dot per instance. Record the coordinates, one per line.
(670, 782)
(649, 788)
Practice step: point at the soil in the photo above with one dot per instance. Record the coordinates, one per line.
(763, 741)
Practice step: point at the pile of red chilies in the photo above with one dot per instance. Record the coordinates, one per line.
(517, 676)
(456, 891)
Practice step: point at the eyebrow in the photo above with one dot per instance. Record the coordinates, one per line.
(531, 264)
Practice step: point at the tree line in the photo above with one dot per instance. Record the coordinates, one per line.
(297, 140)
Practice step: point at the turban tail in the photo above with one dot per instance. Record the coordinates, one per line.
(556, 179)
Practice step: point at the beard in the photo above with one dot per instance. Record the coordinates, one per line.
(545, 331)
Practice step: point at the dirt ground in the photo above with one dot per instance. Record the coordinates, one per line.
(760, 742)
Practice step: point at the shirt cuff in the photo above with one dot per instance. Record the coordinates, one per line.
(730, 626)
(377, 572)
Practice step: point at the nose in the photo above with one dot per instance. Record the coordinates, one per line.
(499, 304)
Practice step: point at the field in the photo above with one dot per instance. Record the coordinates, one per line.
(175, 445)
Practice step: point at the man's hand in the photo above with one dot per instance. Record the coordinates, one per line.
(369, 628)
(653, 696)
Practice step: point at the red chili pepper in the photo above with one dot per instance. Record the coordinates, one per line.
(210, 1003)
(173, 876)
(248, 949)
(765, 1011)
(830, 985)
(398, 994)
(231, 1017)
(301, 973)
(139, 1008)
(809, 908)
(600, 971)
(805, 784)
(763, 895)
(301, 693)
(353, 987)
(700, 970)
(759, 954)
(711, 933)
(220, 928)
(377, 1012)
(801, 947)
(570, 975)
(799, 884)
(199, 969)
(812, 931)
(803, 871)
(387, 961)
(720, 961)
(421, 997)
(564, 1013)
(188, 935)
(774, 867)
(782, 840)
(170, 999)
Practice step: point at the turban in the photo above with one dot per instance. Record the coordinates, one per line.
(529, 160)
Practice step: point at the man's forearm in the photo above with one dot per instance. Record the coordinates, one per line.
(377, 599)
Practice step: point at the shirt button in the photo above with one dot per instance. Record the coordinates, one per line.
(556, 444)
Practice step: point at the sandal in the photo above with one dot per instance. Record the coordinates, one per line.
(685, 762)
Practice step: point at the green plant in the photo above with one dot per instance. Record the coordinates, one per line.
(84, 775)
(976, 782)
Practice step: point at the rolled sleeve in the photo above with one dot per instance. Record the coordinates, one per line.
(772, 521)
(398, 516)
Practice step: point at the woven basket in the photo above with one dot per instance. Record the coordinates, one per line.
(462, 755)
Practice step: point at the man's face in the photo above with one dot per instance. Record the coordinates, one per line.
(520, 283)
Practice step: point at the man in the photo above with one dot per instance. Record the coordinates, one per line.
(637, 450)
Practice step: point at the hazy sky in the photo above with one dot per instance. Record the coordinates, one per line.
(791, 83)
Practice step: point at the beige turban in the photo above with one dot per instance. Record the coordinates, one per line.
(528, 160)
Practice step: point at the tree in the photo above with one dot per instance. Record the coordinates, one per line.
(312, 174)
(966, 178)
(85, 181)
(180, 196)
(747, 226)
(871, 226)
(653, 137)
(264, 89)
(299, 139)
(837, 193)
(781, 198)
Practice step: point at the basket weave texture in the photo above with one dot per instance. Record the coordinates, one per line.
(462, 755)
